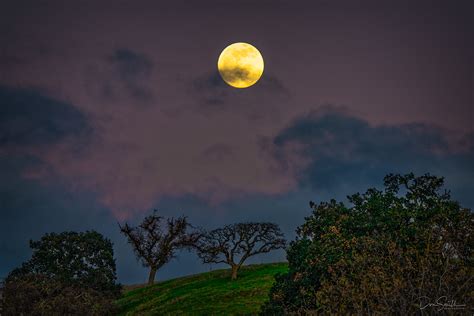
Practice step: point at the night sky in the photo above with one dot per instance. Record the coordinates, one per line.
(111, 109)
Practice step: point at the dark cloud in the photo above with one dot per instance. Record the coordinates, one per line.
(31, 208)
(134, 69)
(235, 74)
(263, 99)
(210, 81)
(211, 92)
(345, 151)
(130, 64)
(28, 117)
(213, 82)
(123, 75)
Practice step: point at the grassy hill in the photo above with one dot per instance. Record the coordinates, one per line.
(211, 293)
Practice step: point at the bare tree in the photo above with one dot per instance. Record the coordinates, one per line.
(233, 244)
(155, 243)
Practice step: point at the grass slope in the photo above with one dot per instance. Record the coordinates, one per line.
(211, 293)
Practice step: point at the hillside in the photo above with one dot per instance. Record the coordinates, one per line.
(211, 293)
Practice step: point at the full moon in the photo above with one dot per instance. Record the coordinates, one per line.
(240, 65)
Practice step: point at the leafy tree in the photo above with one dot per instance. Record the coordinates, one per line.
(233, 244)
(393, 251)
(85, 259)
(79, 267)
(154, 243)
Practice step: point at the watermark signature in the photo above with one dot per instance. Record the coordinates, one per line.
(442, 303)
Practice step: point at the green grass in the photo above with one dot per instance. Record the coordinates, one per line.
(211, 293)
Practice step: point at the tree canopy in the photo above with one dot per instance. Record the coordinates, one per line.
(155, 243)
(68, 273)
(233, 244)
(396, 250)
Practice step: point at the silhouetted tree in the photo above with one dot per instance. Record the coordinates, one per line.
(233, 244)
(154, 243)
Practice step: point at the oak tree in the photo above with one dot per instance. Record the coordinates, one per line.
(156, 241)
(233, 244)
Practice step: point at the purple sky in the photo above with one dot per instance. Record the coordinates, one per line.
(111, 109)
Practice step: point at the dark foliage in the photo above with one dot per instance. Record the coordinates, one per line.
(233, 244)
(36, 294)
(156, 245)
(68, 274)
(392, 252)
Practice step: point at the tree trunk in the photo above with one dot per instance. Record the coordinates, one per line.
(235, 268)
(151, 276)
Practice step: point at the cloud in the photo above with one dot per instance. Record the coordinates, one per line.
(133, 70)
(123, 75)
(28, 117)
(30, 208)
(131, 65)
(235, 74)
(340, 151)
(321, 155)
(262, 101)
(33, 124)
